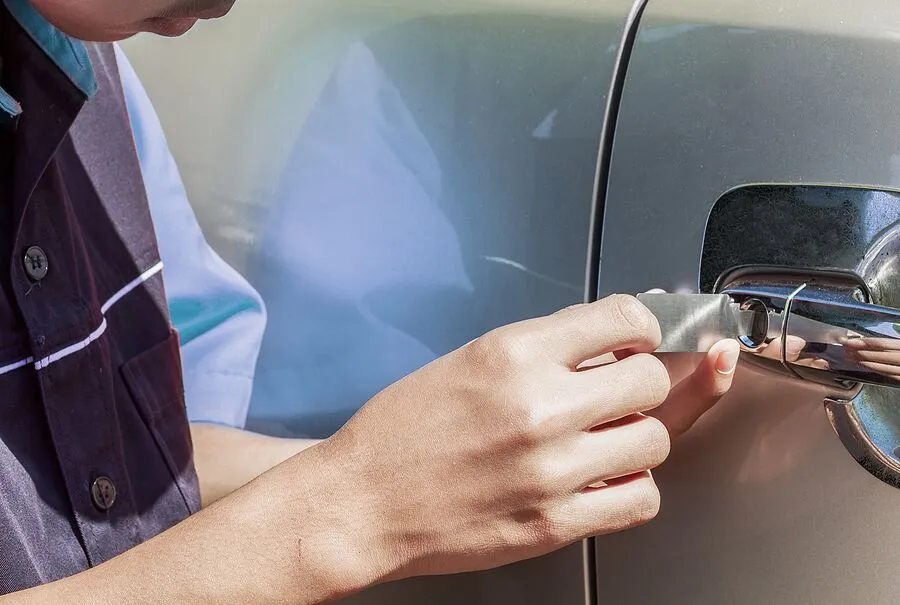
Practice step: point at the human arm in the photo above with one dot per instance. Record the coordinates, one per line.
(500, 451)
(227, 458)
(473, 462)
(281, 539)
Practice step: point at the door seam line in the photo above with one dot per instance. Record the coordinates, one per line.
(598, 210)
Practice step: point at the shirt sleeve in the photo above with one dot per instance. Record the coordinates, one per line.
(219, 315)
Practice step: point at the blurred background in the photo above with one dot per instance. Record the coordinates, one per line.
(389, 175)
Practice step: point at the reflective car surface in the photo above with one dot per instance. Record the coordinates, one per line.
(396, 178)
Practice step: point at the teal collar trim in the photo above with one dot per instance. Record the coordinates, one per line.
(9, 107)
(69, 54)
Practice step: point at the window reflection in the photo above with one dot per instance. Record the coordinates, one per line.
(440, 186)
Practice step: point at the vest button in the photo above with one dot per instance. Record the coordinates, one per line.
(103, 493)
(36, 265)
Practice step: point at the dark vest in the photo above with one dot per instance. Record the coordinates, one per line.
(95, 450)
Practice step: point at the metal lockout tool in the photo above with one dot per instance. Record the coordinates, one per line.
(820, 331)
(692, 323)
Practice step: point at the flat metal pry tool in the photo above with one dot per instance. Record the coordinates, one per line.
(693, 323)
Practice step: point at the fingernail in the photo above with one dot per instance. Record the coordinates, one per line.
(726, 364)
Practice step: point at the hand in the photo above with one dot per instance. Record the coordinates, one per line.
(878, 355)
(710, 380)
(696, 394)
(488, 455)
(484, 457)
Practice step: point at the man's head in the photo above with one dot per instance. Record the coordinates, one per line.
(108, 20)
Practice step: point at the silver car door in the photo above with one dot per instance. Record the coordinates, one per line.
(762, 134)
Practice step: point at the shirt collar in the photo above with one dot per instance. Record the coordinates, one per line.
(69, 54)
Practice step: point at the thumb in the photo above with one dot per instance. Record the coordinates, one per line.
(700, 391)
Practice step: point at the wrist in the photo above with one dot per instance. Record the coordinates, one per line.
(344, 530)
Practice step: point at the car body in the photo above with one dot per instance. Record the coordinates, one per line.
(398, 177)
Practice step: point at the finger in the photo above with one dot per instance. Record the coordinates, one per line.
(629, 352)
(771, 350)
(631, 386)
(638, 443)
(700, 391)
(792, 350)
(882, 368)
(881, 356)
(623, 504)
(873, 344)
(584, 332)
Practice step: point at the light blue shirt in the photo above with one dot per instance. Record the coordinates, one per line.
(220, 317)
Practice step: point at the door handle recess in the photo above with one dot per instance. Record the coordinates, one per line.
(759, 245)
(821, 327)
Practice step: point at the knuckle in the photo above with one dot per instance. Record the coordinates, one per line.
(520, 421)
(554, 528)
(497, 353)
(542, 478)
(538, 518)
(529, 424)
(479, 352)
(509, 347)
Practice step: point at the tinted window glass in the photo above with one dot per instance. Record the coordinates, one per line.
(394, 184)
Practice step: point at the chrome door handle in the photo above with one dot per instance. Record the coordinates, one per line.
(821, 327)
(852, 341)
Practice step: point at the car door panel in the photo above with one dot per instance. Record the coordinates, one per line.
(761, 501)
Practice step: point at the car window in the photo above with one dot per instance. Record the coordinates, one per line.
(394, 180)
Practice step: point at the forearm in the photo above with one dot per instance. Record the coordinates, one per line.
(227, 459)
(298, 534)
